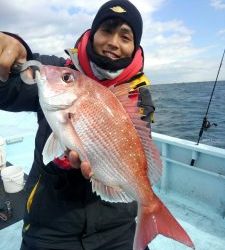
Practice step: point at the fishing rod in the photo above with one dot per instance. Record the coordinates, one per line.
(205, 123)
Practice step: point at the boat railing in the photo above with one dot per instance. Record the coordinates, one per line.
(195, 172)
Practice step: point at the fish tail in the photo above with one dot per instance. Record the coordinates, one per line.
(158, 220)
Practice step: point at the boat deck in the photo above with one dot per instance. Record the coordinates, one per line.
(203, 218)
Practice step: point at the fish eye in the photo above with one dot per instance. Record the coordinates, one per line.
(68, 77)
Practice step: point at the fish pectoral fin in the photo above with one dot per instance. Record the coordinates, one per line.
(53, 148)
(110, 193)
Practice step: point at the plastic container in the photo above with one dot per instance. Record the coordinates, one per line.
(2, 153)
(13, 179)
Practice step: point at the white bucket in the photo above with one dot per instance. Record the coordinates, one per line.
(2, 153)
(13, 179)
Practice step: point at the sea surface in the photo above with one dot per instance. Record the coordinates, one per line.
(180, 109)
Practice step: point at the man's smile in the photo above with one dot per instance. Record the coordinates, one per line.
(110, 54)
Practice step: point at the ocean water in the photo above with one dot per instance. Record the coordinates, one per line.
(181, 107)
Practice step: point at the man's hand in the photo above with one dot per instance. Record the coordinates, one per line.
(11, 52)
(76, 163)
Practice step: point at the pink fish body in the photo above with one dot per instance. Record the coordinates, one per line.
(104, 127)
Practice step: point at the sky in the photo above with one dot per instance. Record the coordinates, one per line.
(183, 41)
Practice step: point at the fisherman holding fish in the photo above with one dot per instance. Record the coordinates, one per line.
(62, 210)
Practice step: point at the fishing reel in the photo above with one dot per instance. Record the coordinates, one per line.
(206, 124)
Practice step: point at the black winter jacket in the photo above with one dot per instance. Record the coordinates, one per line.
(61, 208)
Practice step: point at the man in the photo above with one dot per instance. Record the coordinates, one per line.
(62, 212)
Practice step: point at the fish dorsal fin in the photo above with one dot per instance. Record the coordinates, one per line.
(129, 99)
(52, 149)
(108, 193)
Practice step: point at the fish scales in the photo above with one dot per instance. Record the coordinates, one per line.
(108, 148)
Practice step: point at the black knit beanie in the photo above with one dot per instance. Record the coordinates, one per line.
(123, 9)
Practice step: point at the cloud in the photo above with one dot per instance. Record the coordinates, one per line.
(170, 55)
(51, 26)
(218, 4)
(47, 26)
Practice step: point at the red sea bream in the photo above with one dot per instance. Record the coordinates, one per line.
(103, 125)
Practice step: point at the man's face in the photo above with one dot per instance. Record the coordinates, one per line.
(114, 43)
